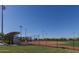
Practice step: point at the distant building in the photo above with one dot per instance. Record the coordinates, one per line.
(16, 40)
(27, 41)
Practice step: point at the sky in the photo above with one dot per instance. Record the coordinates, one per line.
(53, 21)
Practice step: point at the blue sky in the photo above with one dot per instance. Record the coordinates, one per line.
(46, 21)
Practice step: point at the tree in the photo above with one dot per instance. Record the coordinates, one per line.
(2, 36)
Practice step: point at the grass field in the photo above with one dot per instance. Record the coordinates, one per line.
(32, 49)
(71, 43)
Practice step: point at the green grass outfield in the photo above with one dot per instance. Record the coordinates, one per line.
(71, 43)
(32, 49)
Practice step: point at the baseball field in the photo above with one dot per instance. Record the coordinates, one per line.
(69, 44)
(43, 47)
(73, 45)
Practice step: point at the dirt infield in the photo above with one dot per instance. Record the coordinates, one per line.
(47, 43)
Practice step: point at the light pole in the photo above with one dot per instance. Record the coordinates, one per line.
(21, 31)
(3, 8)
(25, 32)
(38, 37)
(57, 42)
(46, 39)
(74, 40)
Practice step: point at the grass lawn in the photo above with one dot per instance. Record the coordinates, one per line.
(32, 49)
